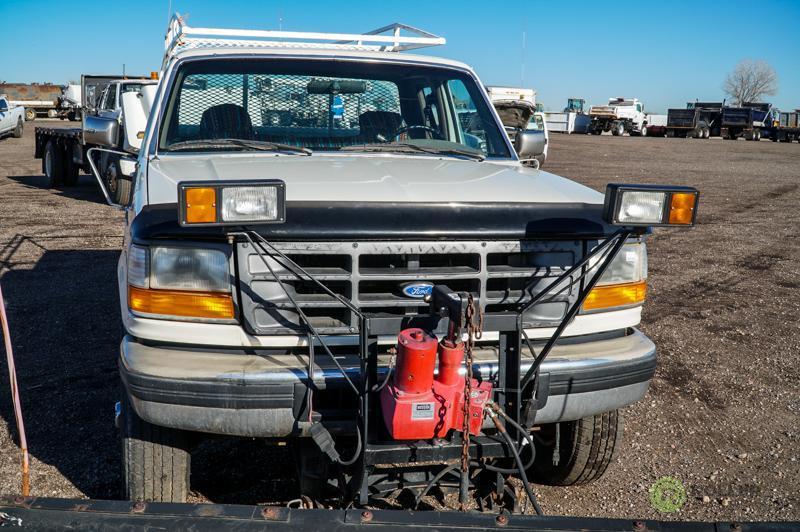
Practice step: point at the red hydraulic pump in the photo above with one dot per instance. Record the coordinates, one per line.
(418, 406)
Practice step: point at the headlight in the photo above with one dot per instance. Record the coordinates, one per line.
(179, 282)
(177, 268)
(624, 283)
(232, 203)
(629, 266)
(650, 205)
(249, 204)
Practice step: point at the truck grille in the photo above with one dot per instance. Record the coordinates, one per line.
(371, 274)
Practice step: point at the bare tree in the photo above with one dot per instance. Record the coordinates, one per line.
(750, 81)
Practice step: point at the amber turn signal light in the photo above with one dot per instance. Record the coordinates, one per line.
(615, 295)
(681, 208)
(211, 305)
(200, 205)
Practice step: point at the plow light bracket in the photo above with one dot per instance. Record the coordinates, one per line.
(217, 203)
(650, 205)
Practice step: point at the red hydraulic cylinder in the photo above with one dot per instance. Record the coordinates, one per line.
(416, 358)
(450, 358)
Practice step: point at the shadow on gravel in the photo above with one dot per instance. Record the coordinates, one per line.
(64, 315)
(86, 189)
(65, 325)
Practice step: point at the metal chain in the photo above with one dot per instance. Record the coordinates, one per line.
(474, 331)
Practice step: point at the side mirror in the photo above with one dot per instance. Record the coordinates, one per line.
(100, 131)
(529, 143)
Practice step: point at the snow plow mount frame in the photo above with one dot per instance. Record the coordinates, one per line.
(518, 395)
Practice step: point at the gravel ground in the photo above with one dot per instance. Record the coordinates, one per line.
(721, 415)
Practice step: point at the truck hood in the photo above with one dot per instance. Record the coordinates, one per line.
(360, 178)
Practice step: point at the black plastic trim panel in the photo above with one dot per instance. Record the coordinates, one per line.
(327, 221)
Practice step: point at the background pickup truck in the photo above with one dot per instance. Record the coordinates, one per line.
(11, 119)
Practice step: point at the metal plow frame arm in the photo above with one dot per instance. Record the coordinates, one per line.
(86, 514)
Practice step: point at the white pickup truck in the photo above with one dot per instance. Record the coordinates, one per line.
(620, 116)
(11, 118)
(300, 200)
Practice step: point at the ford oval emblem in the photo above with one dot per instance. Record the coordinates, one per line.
(417, 290)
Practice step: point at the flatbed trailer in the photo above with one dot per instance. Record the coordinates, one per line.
(786, 128)
(63, 154)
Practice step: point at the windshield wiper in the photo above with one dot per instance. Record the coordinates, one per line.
(408, 147)
(259, 145)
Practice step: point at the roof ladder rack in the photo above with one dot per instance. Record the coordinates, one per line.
(180, 36)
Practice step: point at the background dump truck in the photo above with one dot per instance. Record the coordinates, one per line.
(350, 257)
(65, 152)
(747, 120)
(620, 116)
(696, 120)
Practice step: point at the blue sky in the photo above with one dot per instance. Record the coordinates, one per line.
(663, 52)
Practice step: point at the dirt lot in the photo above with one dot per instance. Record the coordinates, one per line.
(722, 415)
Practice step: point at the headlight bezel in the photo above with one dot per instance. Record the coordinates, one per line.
(212, 292)
(218, 187)
(615, 193)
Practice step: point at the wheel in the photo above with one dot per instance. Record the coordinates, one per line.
(706, 133)
(155, 460)
(30, 114)
(757, 135)
(586, 448)
(644, 131)
(18, 130)
(119, 186)
(617, 129)
(53, 164)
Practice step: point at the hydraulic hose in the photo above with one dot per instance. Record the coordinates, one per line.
(12, 373)
(528, 490)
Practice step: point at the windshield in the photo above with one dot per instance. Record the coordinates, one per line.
(325, 105)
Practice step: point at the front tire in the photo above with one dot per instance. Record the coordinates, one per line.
(18, 130)
(156, 460)
(644, 131)
(586, 449)
(30, 115)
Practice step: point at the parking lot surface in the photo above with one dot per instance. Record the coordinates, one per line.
(722, 415)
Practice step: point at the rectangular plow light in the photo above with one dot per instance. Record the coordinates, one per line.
(650, 205)
(206, 203)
